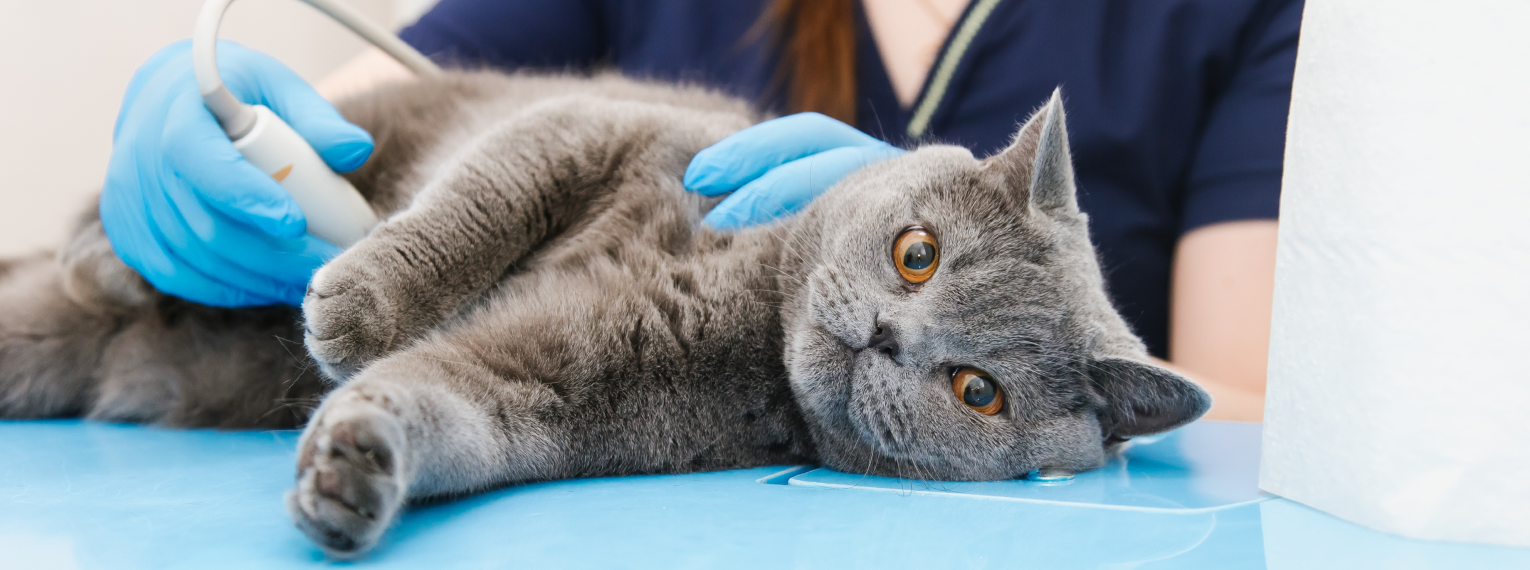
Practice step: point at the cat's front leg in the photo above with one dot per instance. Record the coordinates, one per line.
(513, 189)
(355, 308)
(523, 184)
(419, 423)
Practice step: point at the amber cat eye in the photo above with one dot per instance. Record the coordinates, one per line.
(977, 390)
(916, 254)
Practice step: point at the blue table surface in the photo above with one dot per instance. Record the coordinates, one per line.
(90, 495)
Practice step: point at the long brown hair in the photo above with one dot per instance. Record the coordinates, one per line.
(816, 42)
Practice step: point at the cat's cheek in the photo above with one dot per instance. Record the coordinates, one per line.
(822, 373)
(879, 407)
(820, 368)
(840, 308)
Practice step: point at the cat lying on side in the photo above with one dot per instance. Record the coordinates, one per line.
(544, 304)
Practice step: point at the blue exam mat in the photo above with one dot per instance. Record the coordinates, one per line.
(1202, 467)
(90, 495)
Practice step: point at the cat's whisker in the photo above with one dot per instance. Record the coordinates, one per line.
(766, 291)
(755, 301)
(307, 363)
(448, 361)
(871, 459)
(790, 242)
(306, 406)
(918, 473)
(784, 274)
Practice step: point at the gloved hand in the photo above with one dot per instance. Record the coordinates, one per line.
(776, 167)
(184, 209)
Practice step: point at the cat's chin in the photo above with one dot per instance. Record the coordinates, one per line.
(851, 454)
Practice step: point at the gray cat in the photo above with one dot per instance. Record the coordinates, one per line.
(547, 305)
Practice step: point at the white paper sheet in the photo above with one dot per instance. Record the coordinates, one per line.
(1399, 386)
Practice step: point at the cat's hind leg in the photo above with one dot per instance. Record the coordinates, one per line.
(82, 334)
(48, 345)
(57, 316)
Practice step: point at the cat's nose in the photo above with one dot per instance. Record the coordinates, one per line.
(884, 340)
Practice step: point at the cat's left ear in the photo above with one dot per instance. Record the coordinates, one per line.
(1142, 399)
(1037, 166)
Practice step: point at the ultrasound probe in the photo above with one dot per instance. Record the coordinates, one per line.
(336, 212)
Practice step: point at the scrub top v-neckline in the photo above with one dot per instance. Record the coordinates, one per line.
(938, 80)
(875, 79)
(909, 35)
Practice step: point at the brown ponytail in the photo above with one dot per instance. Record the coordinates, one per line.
(816, 42)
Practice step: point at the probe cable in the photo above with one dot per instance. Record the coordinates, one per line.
(238, 118)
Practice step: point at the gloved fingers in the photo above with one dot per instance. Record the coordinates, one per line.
(200, 154)
(235, 255)
(788, 188)
(255, 77)
(133, 238)
(150, 74)
(750, 153)
(226, 284)
(189, 284)
(228, 250)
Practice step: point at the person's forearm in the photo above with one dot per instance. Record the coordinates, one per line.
(1230, 401)
(365, 71)
(1219, 325)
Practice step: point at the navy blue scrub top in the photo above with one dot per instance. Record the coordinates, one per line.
(1176, 108)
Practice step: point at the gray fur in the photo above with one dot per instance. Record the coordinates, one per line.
(81, 334)
(547, 305)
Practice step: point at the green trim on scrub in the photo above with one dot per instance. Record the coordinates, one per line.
(937, 89)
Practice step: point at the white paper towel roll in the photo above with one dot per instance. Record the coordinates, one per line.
(1399, 379)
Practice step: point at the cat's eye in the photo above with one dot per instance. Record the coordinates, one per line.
(916, 254)
(977, 390)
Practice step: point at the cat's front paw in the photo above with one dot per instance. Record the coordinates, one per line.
(349, 483)
(347, 320)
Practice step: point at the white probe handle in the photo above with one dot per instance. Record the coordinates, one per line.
(336, 212)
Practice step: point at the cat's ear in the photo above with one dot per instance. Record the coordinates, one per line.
(1037, 165)
(1142, 399)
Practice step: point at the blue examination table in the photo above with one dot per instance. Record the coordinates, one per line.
(89, 495)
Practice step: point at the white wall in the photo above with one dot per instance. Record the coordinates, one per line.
(64, 65)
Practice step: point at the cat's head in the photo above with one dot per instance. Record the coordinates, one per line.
(952, 322)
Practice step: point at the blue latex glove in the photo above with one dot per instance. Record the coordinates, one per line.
(776, 167)
(186, 211)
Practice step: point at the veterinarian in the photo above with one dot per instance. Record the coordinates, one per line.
(1177, 111)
